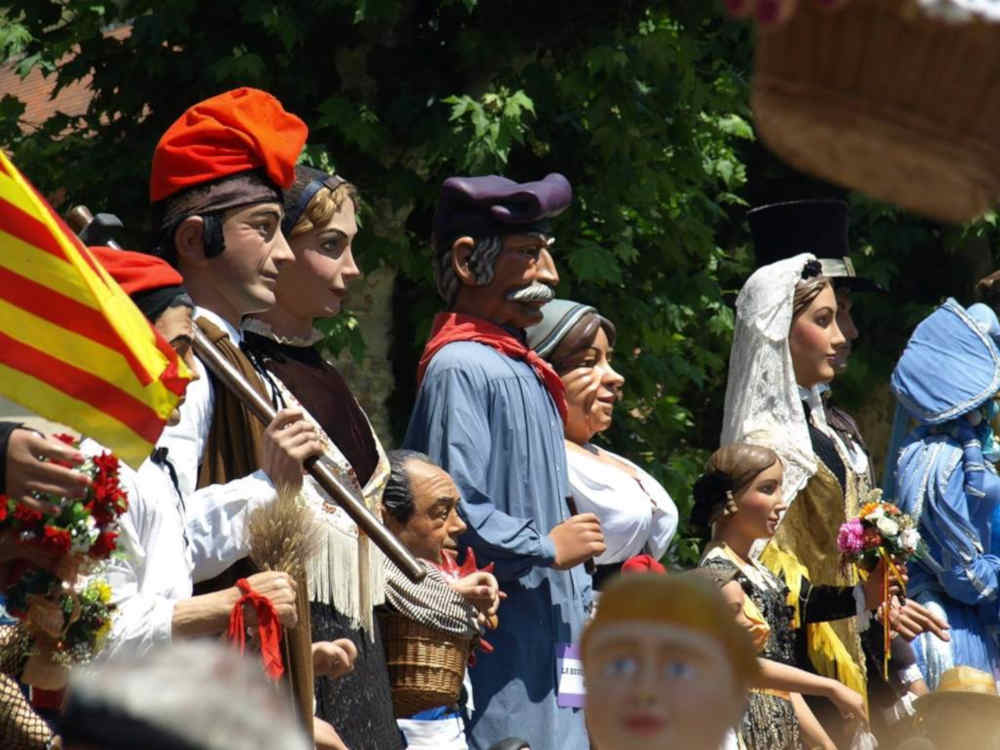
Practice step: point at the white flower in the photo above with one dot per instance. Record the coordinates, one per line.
(876, 514)
(887, 527)
(909, 539)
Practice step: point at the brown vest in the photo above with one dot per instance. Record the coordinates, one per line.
(233, 446)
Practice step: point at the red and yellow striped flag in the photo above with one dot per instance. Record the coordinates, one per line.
(73, 346)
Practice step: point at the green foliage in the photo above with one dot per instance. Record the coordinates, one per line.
(644, 106)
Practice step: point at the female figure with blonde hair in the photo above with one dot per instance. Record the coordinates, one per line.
(740, 498)
(345, 578)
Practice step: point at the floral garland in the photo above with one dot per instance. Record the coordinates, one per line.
(69, 615)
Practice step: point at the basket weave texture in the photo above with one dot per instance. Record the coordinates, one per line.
(879, 98)
(426, 665)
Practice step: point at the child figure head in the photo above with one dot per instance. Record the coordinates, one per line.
(740, 492)
(666, 665)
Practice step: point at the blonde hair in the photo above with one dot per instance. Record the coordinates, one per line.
(691, 602)
(323, 205)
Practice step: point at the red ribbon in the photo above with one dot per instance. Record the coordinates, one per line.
(268, 628)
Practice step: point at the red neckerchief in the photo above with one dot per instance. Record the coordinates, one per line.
(449, 327)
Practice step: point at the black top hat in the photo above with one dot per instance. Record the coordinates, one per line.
(782, 230)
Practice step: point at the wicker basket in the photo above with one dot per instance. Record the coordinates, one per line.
(426, 665)
(882, 99)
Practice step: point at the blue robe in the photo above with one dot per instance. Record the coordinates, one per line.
(488, 420)
(944, 481)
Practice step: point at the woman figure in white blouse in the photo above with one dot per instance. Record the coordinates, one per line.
(636, 513)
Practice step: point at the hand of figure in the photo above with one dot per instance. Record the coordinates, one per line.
(850, 703)
(873, 586)
(279, 588)
(288, 441)
(577, 539)
(772, 12)
(27, 473)
(911, 618)
(326, 737)
(482, 591)
(334, 658)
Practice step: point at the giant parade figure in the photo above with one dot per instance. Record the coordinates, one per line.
(490, 412)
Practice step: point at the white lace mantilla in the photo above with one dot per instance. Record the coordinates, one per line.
(762, 396)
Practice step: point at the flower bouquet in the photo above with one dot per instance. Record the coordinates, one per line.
(881, 532)
(68, 615)
(880, 529)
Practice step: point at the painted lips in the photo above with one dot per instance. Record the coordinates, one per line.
(644, 724)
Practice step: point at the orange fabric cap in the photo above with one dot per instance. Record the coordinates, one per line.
(136, 272)
(230, 133)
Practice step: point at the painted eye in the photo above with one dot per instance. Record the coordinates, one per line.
(623, 666)
(679, 670)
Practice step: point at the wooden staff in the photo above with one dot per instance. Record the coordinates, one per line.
(326, 479)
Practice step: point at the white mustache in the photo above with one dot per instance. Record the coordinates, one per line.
(536, 292)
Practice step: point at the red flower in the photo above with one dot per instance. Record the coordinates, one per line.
(642, 564)
(56, 539)
(4, 501)
(871, 538)
(106, 543)
(28, 515)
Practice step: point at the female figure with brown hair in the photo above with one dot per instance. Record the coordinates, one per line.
(636, 513)
(345, 578)
(739, 497)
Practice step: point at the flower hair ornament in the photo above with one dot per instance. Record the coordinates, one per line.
(811, 269)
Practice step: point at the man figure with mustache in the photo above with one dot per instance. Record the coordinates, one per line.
(489, 412)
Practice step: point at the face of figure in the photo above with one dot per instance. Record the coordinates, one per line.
(759, 506)
(846, 324)
(435, 524)
(314, 285)
(654, 686)
(523, 279)
(814, 339)
(242, 279)
(592, 388)
(176, 325)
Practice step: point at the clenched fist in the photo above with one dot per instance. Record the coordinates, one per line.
(577, 539)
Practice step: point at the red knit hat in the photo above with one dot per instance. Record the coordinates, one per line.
(233, 132)
(136, 272)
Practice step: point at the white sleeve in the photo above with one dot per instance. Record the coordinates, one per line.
(186, 440)
(217, 520)
(141, 621)
(665, 516)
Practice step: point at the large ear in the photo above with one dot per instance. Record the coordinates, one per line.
(461, 251)
(189, 241)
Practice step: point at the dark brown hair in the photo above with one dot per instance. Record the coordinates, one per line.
(580, 337)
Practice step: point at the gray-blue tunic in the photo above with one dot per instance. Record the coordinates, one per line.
(488, 420)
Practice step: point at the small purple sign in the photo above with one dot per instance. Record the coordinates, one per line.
(571, 690)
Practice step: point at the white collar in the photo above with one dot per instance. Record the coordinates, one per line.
(234, 333)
